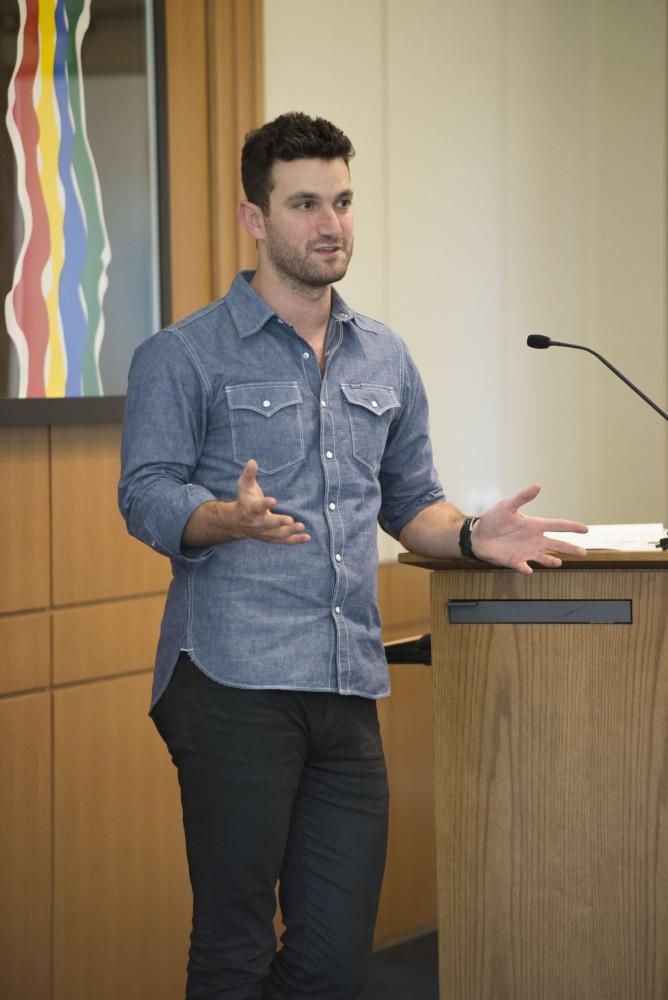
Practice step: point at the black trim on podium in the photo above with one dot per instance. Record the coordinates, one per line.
(416, 650)
(537, 612)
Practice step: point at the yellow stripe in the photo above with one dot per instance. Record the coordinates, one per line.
(49, 142)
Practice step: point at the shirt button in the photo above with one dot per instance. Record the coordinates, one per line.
(306, 355)
(329, 454)
(332, 506)
(374, 402)
(338, 557)
(338, 610)
(323, 403)
(266, 403)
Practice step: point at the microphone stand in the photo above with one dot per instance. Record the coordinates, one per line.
(540, 342)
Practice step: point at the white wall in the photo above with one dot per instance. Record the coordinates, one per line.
(510, 179)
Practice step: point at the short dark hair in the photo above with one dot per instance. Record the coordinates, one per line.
(292, 136)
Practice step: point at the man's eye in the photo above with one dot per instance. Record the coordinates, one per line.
(344, 202)
(305, 205)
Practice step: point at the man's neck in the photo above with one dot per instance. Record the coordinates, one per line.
(305, 308)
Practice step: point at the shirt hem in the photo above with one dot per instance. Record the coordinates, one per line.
(288, 687)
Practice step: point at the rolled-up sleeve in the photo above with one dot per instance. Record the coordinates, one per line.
(163, 432)
(409, 482)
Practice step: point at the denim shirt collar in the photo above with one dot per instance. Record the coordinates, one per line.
(250, 312)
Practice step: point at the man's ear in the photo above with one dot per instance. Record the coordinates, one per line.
(251, 218)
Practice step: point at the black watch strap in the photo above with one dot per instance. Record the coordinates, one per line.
(465, 546)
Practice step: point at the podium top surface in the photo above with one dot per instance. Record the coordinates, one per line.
(595, 559)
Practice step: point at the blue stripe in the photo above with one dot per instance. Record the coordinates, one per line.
(75, 327)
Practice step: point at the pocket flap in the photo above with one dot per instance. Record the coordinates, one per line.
(263, 397)
(374, 398)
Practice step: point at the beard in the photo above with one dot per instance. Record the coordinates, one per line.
(303, 268)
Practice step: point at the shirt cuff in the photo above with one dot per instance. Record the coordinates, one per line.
(167, 523)
(396, 525)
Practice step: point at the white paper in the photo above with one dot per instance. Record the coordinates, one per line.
(615, 537)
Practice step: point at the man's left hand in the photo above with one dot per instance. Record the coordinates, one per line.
(506, 537)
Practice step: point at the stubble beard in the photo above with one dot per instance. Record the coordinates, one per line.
(303, 270)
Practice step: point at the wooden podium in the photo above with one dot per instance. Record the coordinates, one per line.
(551, 756)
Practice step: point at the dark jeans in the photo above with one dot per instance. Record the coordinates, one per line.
(276, 785)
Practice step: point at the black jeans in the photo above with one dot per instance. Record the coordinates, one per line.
(276, 785)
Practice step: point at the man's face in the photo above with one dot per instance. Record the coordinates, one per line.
(309, 226)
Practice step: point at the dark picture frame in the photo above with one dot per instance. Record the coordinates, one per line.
(85, 409)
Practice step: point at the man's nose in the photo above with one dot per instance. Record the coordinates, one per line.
(329, 223)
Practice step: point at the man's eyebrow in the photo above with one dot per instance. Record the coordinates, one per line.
(303, 196)
(312, 196)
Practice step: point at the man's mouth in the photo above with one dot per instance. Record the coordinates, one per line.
(328, 249)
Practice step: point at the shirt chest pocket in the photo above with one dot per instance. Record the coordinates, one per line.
(370, 411)
(266, 424)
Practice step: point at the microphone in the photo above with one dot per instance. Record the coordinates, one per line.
(538, 341)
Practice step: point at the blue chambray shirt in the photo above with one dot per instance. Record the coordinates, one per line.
(339, 451)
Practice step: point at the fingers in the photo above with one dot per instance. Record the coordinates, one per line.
(548, 559)
(291, 534)
(522, 567)
(294, 540)
(276, 528)
(248, 477)
(249, 491)
(554, 545)
(541, 558)
(545, 559)
(261, 505)
(255, 508)
(523, 497)
(555, 525)
(280, 526)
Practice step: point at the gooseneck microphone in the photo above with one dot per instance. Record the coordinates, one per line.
(540, 342)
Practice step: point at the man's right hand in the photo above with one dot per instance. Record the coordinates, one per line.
(249, 516)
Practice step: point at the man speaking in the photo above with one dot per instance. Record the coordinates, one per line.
(265, 437)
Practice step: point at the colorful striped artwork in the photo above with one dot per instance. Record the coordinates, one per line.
(54, 310)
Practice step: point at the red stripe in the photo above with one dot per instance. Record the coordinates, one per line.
(27, 298)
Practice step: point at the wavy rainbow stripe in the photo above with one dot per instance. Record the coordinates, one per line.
(54, 310)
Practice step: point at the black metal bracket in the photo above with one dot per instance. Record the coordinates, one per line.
(415, 650)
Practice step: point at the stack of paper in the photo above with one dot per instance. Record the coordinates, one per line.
(615, 537)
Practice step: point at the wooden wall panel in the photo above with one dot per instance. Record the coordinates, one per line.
(249, 94)
(224, 154)
(189, 166)
(25, 641)
(236, 98)
(25, 848)
(403, 595)
(24, 515)
(408, 899)
(121, 893)
(100, 640)
(93, 556)
(215, 96)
